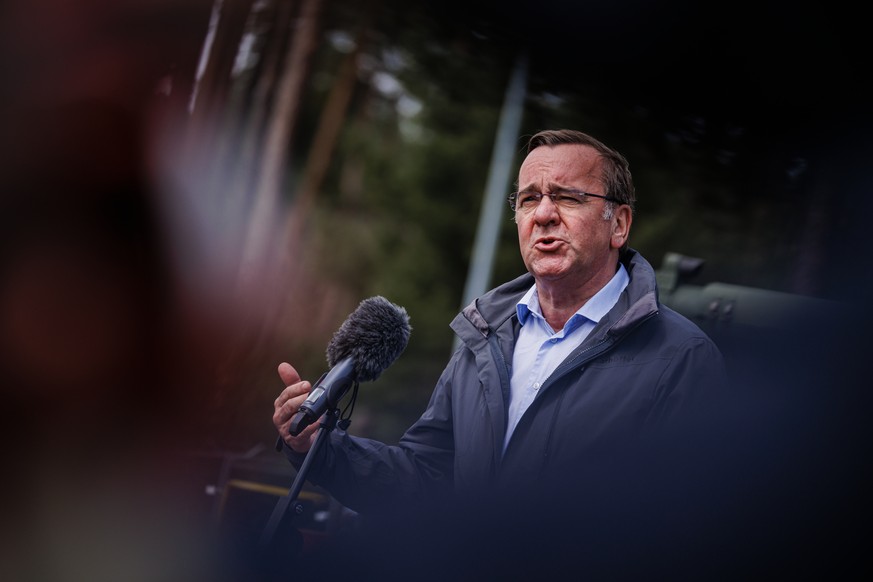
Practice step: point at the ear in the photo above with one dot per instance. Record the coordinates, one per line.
(621, 223)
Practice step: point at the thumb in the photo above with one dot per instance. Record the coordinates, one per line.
(288, 374)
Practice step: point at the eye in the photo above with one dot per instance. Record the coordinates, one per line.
(567, 199)
(528, 199)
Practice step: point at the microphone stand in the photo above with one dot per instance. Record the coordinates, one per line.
(289, 501)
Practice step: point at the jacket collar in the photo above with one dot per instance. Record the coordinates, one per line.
(639, 301)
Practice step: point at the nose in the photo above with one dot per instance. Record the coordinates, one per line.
(546, 211)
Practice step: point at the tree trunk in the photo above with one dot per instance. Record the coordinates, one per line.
(281, 124)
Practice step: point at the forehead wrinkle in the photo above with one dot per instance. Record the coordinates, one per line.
(541, 171)
(579, 163)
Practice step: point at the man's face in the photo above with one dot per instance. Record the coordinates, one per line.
(575, 248)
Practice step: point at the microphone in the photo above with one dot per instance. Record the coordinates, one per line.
(367, 342)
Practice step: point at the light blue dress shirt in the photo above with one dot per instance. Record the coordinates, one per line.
(539, 349)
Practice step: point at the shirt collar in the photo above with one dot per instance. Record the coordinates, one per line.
(594, 309)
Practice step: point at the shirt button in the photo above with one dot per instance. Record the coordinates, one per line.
(536, 386)
(554, 340)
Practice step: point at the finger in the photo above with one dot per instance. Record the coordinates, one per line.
(282, 416)
(283, 425)
(289, 401)
(288, 374)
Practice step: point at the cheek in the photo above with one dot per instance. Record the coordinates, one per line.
(524, 244)
(591, 234)
(524, 231)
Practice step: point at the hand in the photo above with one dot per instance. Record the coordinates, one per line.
(286, 406)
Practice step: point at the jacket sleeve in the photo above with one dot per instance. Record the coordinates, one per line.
(367, 475)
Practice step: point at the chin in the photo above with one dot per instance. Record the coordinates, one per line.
(548, 274)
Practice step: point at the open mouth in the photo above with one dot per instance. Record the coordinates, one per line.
(546, 243)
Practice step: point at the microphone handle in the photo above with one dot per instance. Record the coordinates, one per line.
(325, 396)
(300, 421)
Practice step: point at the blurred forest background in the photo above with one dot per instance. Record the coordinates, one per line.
(195, 191)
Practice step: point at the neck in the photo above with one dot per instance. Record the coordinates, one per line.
(560, 300)
(557, 311)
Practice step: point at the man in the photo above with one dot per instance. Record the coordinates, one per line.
(565, 377)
